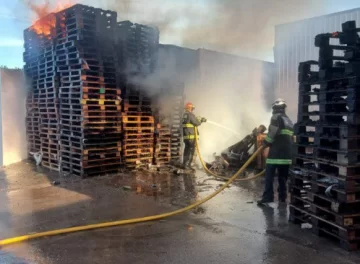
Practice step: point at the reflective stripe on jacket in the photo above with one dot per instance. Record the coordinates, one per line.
(189, 123)
(280, 139)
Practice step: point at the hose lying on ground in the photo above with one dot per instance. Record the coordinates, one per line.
(129, 221)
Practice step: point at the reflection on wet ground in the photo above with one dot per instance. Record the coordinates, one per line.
(160, 185)
(228, 229)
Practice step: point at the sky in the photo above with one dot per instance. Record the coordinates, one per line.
(241, 27)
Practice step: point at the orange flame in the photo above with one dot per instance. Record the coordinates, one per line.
(45, 22)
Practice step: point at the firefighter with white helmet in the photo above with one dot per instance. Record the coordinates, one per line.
(190, 121)
(280, 140)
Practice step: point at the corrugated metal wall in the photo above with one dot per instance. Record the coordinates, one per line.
(294, 43)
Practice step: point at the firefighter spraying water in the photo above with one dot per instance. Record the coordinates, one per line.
(190, 121)
(232, 158)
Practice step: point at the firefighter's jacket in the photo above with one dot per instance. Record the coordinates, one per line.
(190, 121)
(280, 139)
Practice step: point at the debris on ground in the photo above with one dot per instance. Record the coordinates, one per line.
(306, 226)
(127, 188)
(199, 210)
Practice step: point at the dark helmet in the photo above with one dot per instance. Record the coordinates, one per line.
(279, 104)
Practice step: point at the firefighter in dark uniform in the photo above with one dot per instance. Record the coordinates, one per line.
(190, 121)
(280, 140)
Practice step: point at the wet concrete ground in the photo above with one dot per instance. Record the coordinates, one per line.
(227, 229)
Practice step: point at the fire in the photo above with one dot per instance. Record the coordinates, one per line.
(44, 21)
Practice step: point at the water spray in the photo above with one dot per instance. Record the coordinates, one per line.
(224, 127)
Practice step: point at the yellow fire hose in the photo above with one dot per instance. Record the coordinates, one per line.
(134, 220)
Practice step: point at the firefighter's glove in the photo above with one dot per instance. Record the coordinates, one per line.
(203, 120)
(266, 144)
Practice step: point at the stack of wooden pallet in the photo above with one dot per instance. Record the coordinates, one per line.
(169, 105)
(89, 93)
(138, 128)
(325, 180)
(71, 67)
(137, 54)
(137, 47)
(79, 63)
(162, 153)
(42, 103)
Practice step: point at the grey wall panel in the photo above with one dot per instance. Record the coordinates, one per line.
(294, 43)
(233, 91)
(13, 113)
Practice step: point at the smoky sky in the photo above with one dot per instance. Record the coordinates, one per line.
(242, 27)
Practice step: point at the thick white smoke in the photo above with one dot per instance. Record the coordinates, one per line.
(230, 92)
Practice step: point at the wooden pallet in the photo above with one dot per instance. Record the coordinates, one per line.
(162, 160)
(334, 205)
(137, 146)
(347, 238)
(140, 125)
(89, 151)
(99, 102)
(138, 130)
(88, 96)
(94, 156)
(344, 220)
(137, 119)
(338, 194)
(137, 152)
(135, 163)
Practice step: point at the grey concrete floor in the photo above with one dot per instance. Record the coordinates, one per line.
(228, 229)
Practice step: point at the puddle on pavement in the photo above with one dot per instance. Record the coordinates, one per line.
(168, 188)
(157, 184)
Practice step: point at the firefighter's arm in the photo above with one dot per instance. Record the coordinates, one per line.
(274, 130)
(194, 121)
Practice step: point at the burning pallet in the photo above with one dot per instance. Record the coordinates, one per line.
(76, 80)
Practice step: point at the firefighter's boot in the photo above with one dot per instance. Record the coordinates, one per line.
(186, 161)
(189, 163)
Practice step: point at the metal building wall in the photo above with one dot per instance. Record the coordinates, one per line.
(13, 144)
(294, 43)
(177, 63)
(233, 91)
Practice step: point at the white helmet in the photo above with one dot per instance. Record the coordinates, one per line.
(279, 103)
